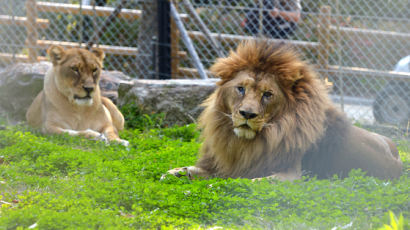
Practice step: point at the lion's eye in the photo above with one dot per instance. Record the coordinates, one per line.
(74, 68)
(95, 70)
(267, 95)
(241, 90)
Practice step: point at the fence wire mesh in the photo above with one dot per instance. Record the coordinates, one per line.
(357, 45)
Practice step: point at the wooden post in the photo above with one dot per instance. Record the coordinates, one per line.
(324, 41)
(31, 29)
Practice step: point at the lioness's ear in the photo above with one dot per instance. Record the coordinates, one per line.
(56, 53)
(98, 53)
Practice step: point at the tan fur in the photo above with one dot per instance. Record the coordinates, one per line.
(71, 102)
(269, 110)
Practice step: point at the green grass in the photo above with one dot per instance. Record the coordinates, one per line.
(61, 182)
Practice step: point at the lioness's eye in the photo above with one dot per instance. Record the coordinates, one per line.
(241, 90)
(95, 70)
(267, 95)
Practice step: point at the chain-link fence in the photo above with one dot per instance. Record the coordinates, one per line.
(28, 27)
(356, 45)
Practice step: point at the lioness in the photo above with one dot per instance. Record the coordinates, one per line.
(270, 116)
(70, 101)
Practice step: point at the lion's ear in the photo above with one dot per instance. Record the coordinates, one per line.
(55, 53)
(99, 53)
(291, 79)
(299, 75)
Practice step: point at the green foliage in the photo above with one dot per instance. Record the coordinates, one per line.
(62, 182)
(394, 223)
(136, 118)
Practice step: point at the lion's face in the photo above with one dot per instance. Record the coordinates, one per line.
(77, 73)
(253, 100)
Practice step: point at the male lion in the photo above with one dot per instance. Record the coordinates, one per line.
(270, 116)
(71, 102)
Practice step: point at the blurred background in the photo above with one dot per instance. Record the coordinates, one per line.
(361, 48)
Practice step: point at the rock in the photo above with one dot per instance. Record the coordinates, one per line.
(110, 81)
(179, 100)
(21, 82)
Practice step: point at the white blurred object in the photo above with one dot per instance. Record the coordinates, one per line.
(392, 102)
(403, 65)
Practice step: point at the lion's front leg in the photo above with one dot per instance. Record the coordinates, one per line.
(111, 133)
(88, 133)
(191, 172)
(291, 174)
(281, 176)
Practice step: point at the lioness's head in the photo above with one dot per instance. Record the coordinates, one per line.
(260, 82)
(77, 73)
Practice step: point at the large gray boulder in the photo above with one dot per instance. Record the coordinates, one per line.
(20, 83)
(179, 100)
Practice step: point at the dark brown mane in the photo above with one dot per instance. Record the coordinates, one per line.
(259, 56)
(284, 139)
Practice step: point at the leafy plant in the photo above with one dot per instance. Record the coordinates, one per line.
(395, 224)
(137, 118)
(63, 182)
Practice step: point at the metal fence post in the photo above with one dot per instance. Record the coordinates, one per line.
(188, 43)
(164, 40)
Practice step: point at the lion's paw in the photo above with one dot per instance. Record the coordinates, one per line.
(257, 179)
(89, 133)
(178, 172)
(101, 137)
(192, 172)
(122, 142)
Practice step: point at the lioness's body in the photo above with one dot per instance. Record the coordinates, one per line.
(70, 101)
(270, 116)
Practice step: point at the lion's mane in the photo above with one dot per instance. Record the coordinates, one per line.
(286, 137)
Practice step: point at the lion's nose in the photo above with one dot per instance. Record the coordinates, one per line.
(247, 114)
(88, 89)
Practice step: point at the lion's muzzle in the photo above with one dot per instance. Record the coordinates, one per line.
(88, 89)
(244, 128)
(248, 114)
(246, 124)
(86, 100)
